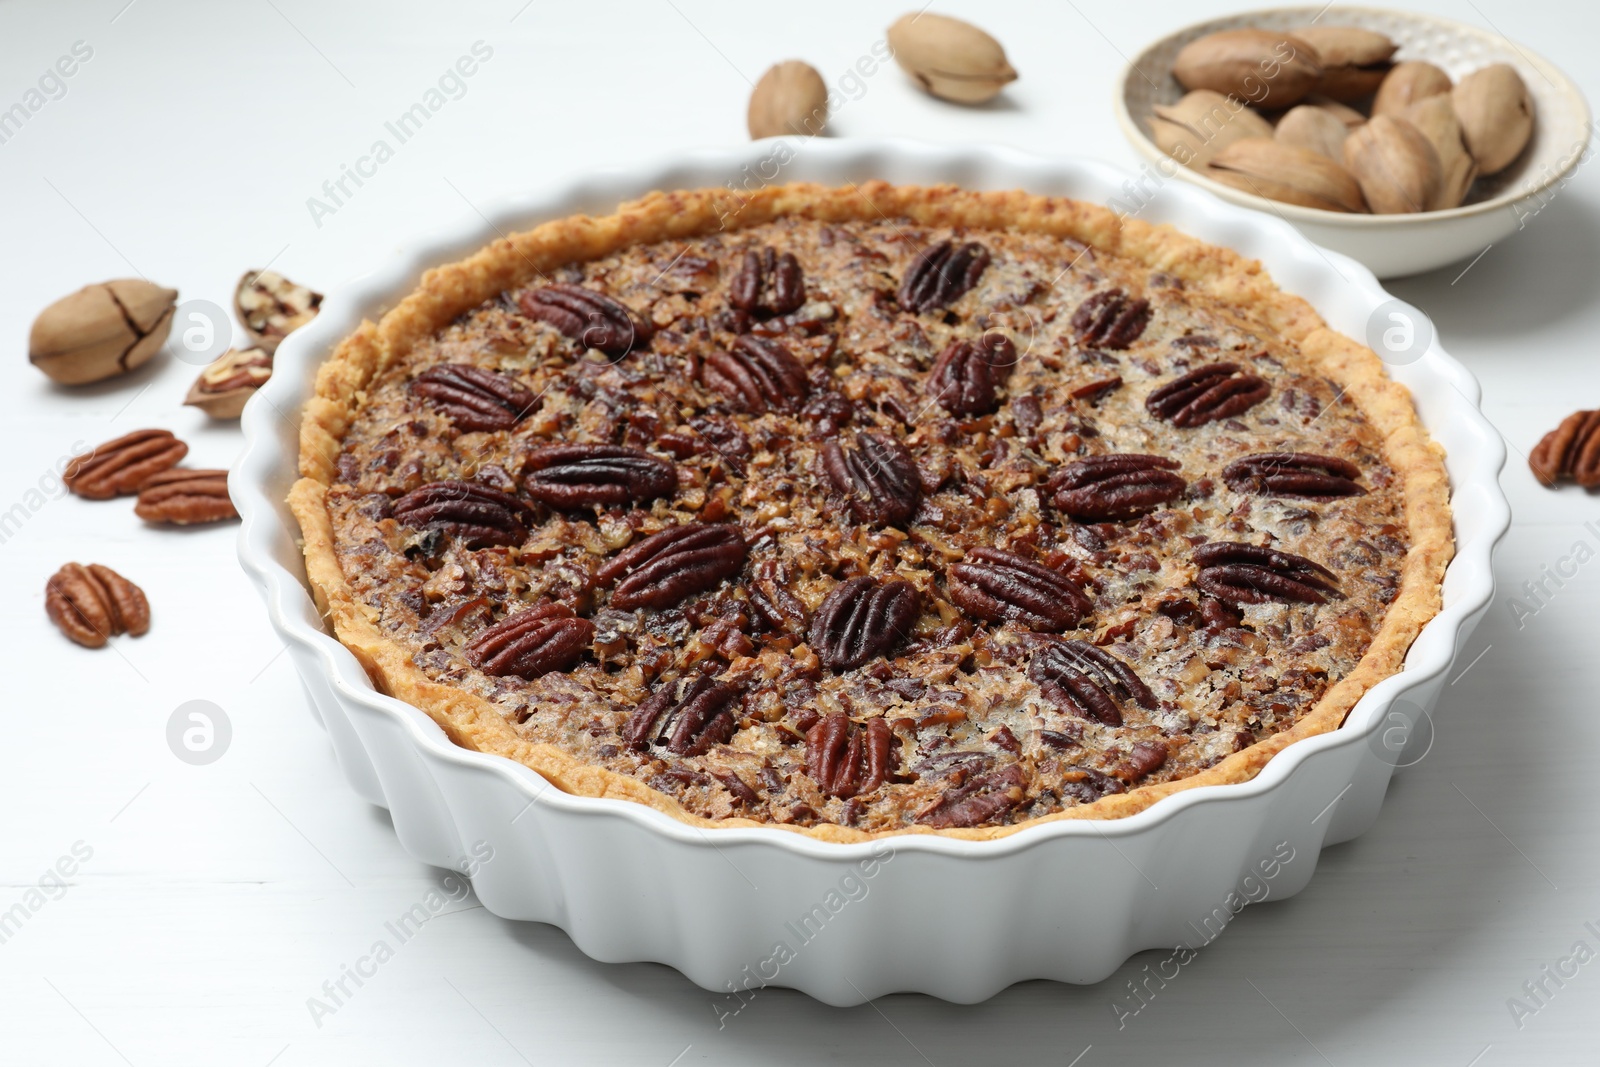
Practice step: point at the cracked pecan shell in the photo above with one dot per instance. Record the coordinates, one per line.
(1571, 450)
(1120, 485)
(998, 586)
(609, 476)
(1293, 474)
(589, 317)
(121, 466)
(767, 283)
(1206, 394)
(756, 374)
(967, 374)
(939, 275)
(877, 477)
(94, 603)
(544, 638)
(473, 397)
(675, 563)
(977, 800)
(475, 514)
(1079, 677)
(848, 758)
(185, 497)
(1238, 573)
(686, 717)
(1110, 319)
(862, 618)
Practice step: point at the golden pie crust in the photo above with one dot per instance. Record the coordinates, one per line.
(454, 289)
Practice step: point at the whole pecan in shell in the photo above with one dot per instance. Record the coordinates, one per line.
(589, 317)
(967, 373)
(1293, 474)
(939, 275)
(877, 477)
(121, 466)
(475, 398)
(185, 497)
(1090, 681)
(998, 586)
(610, 476)
(1238, 573)
(675, 563)
(847, 758)
(768, 283)
(757, 374)
(1206, 394)
(686, 717)
(862, 618)
(1571, 450)
(475, 514)
(1119, 485)
(91, 604)
(978, 799)
(541, 639)
(1109, 319)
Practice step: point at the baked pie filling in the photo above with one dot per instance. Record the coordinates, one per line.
(949, 517)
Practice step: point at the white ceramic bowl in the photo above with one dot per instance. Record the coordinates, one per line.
(1391, 245)
(958, 919)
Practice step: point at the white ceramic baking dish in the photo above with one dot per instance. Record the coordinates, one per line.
(739, 908)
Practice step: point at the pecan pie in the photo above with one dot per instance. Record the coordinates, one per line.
(869, 510)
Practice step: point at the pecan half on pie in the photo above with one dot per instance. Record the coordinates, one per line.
(869, 510)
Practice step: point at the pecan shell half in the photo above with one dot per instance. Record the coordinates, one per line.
(541, 639)
(998, 586)
(1120, 485)
(121, 466)
(756, 374)
(862, 618)
(967, 374)
(91, 604)
(1087, 680)
(1206, 394)
(589, 317)
(939, 275)
(877, 477)
(1293, 474)
(610, 476)
(685, 718)
(1571, 450)
(1109, 319)
(847, 758)
(185, 497)
(474, 398)
(475, 514)
(675, 563)
(1237, 573)
(768, 283)
(978, 799)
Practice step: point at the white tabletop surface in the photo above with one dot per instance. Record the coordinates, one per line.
(207, 904)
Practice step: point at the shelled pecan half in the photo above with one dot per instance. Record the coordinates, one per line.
(998, 586)
(544, 638)
(121, 466)
(185, 497)
(475, 514)
(1206, 394)
(877, 477)
(862, 618)
(1088, 680)
(1238, 573)
(474, 398)
(678, 562)
(1110, 319)
(588, 316)
(756, 374)
(941, 274)
(1571, 450)
(768, 283)
(610, 476)
(684, 716)
(1119, 485)
(94, 603)
(847, 758)
(966, 374)
(1293, 474)
(977, 800)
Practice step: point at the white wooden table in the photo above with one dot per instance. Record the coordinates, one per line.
(207, 905)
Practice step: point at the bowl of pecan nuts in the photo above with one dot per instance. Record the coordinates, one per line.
(1406, 141)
